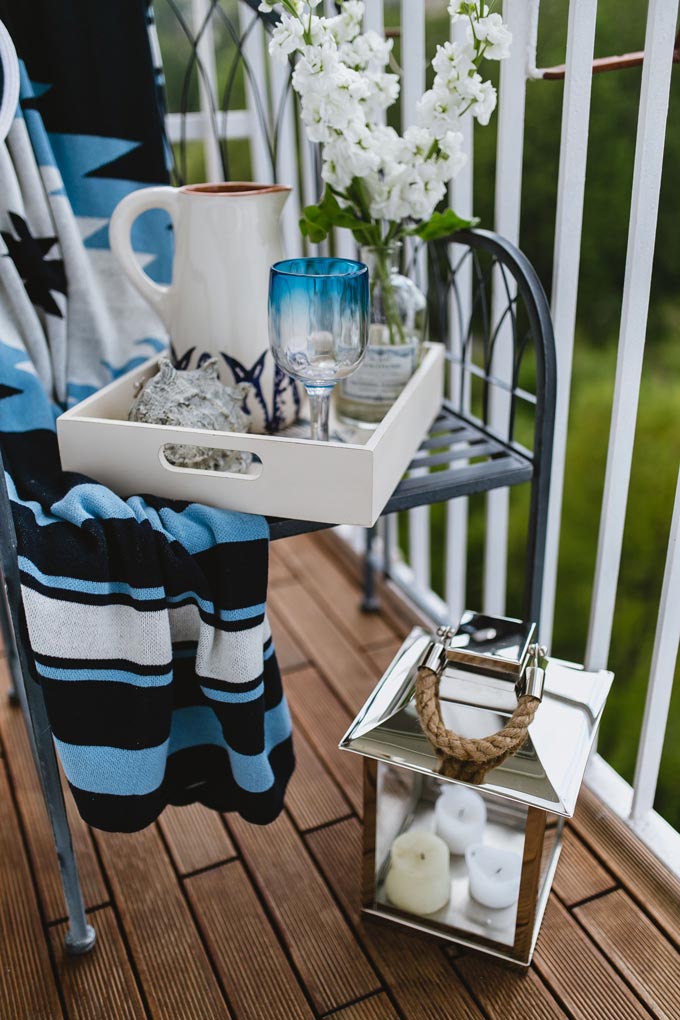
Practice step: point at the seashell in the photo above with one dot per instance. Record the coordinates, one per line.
(195, 399)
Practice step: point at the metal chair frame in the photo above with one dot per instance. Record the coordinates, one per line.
(447, 465)
(455, 438)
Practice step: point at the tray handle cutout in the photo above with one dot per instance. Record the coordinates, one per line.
(168, 453)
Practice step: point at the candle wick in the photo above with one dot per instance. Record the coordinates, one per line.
(461, 813)
(498, 870)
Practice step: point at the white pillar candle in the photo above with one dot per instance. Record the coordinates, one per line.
(460, 817)
(418, 879)
(494, 875)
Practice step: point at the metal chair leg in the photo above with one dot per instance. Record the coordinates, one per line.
(81, 936)
(370, 602)
(9, 644)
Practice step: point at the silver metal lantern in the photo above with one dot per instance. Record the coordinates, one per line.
(475, 746)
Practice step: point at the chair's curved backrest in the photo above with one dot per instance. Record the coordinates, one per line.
(489, 307)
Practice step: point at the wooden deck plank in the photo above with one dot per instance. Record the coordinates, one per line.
(504, 992)
(101, 984)
(579, 874)
(638, 950)
(279, 574)
(578, 973)
(324, 721)
(27, 987)
(259, 980)
(400, 615)
(325, 579)
(313, 797)
(36, 823)
(637, 869)
(376, 1007)
(288, 652)
(346, 668)
(326, 954)
(416, 969)
(174, 969)
(196, 837)
(278, 933)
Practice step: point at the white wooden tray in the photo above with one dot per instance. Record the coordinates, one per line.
(336, 482)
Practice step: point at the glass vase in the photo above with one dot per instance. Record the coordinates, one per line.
(398, 322)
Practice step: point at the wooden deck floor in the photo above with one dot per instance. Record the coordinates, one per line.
(204, 918)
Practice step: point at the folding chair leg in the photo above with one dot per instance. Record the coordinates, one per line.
(370, 602)
(81, 936)
(9, 645)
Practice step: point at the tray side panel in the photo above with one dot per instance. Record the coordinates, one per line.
(398, 443)
(297, 479)
(328, 482)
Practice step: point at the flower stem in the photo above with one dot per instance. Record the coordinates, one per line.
(383, 275)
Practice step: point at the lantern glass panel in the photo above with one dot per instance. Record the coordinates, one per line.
(407, 802)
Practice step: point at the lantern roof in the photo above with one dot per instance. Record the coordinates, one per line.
(545, 773)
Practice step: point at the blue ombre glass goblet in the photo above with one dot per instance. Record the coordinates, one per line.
(318, 326)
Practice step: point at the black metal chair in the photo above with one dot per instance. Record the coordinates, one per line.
(463, 454)
(470, 449)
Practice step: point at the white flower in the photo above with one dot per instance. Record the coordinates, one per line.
(417, 143)
(485, 103)
(452, 158)
(267, 6)
(497, 36)
(384, 91)
(346, 25)
(367, 52)
(438, 110)
(315, 68)
(344, 160)
(287, 37)
(466, 9)
(453, 61)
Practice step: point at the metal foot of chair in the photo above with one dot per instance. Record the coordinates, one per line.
(370, 603)
(78, 945)
(81, 936)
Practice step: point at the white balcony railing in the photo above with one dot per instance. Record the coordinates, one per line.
(412, 569)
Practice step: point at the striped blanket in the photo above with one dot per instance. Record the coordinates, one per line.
(146, 618)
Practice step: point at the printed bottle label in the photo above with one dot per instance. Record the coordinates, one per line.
(382, 375)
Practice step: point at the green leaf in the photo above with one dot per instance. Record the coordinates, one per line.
(318, 220)
(311, 230)
(441, 224)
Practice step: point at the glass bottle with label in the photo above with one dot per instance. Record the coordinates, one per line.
(397, 328)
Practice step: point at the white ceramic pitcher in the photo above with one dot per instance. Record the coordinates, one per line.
(226, 238)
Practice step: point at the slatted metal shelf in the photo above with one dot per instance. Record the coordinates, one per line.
(459, 457)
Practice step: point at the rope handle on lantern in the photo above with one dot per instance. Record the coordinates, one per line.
(484, 751)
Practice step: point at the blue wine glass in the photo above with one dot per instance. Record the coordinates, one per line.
(318, 326)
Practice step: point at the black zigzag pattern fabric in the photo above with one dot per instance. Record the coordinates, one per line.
(146, 619)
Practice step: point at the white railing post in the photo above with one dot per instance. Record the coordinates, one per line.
(461, 200)
(651, 131)
(510, 146)
(257, 99)
(207, 87)
(414, 63)
(374, 18)
(566, 261)
(664, 658)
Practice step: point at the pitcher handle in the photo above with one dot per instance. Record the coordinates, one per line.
(120, 228)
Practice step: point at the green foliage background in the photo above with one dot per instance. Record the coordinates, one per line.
(657, 452)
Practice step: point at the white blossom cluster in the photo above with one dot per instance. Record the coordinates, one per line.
(345, 88)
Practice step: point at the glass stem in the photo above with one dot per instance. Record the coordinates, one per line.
(319, 405)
